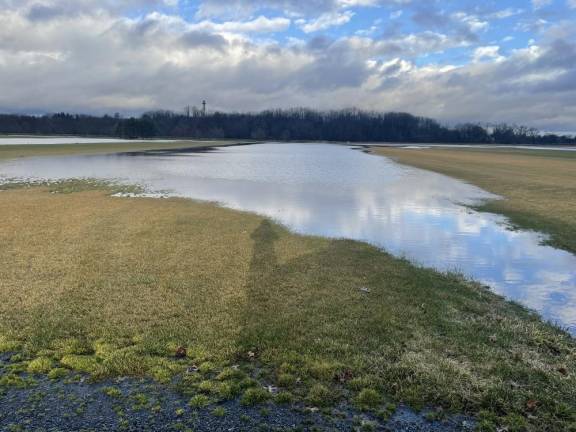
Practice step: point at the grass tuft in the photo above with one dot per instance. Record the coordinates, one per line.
(40, 365)
(86, 364)
(368, 399)
(320, 396)
(199, 401)
(255, 396)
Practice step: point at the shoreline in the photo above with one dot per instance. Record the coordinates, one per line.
(537, 186)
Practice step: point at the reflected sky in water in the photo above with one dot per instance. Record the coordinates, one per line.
(336, 191)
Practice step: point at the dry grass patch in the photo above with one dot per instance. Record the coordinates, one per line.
(20, 151)
(115, 286)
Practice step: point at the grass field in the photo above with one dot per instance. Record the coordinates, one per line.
(113, 287)
(539, 187)
(19, 151)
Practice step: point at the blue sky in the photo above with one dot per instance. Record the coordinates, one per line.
(457, 61)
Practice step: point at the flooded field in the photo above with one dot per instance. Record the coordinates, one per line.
(341, 192)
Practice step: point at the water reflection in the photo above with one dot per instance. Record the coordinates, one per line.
(334, 191)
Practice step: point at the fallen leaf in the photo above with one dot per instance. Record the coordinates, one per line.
(531, 405)
(181, 352)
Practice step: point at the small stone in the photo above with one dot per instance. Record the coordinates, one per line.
(272, 389)
(192, 369)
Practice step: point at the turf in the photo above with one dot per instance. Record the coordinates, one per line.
(19, 151)
(114, 287)
(539, 187)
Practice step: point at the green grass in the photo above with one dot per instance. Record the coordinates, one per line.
(539, 186)
(113, 287)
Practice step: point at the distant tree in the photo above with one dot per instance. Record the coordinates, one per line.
(300, 124)
(133, 128)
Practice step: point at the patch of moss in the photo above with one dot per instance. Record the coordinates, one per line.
(113, 392)
(40, 365)
(86, 364)
(13, 380)
(9, 345)
(141, 401)
(162, 374)
(57, 373)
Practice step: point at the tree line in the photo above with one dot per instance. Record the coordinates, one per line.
(287, 125)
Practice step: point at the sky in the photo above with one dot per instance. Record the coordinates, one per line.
(454, 60)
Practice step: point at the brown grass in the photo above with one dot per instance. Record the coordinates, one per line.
(19, 151)
(113, 286)
(539, 186)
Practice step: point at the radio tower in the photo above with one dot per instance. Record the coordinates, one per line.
(203, 107)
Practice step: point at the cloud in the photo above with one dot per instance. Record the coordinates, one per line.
(40, 10)
(505, 13)
(463, 25)
(294, 7)
(491, 53)
(326, 20)
(260, 24)
(90, 56)
(538, 4)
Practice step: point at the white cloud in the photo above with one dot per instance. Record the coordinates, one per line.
(293, 7)
(538, 4)
(326, 20)
(506, 13)
(490, 53)
(260, 24)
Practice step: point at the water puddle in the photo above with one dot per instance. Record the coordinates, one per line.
(336, 191)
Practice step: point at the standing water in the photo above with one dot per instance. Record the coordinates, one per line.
(336, 191)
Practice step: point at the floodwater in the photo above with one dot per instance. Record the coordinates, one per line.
(342, 192)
